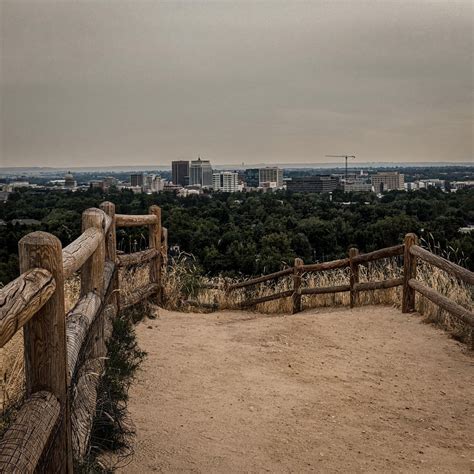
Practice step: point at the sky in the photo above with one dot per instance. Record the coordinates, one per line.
(109, 83)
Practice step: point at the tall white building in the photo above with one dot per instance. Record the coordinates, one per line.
(225, 181)
(270, 175)
(200, 172)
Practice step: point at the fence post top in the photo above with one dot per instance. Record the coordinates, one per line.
(40, 237)
(411, 237)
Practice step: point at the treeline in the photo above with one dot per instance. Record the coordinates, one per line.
(256, 233)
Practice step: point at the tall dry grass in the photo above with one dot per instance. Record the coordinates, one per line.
(182, 282)
(374, 271)
(12, 378)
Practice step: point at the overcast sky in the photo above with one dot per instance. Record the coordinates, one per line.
(91, 83)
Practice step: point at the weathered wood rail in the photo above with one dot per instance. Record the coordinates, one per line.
(64, 353)
(411, 253)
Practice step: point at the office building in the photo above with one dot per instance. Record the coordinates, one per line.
(225, 181)
(137, 180)
(200, 173)
(313, 184)
(251, 178)
(180, 172)
(356, 185)
(388, 181)
(270, 175)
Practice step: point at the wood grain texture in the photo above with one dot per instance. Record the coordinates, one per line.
(297, 271)
(78, 322)
(378, 285)
(164, 245)
(77, 252)
(111, 250)
(84, 402)
(354, 276)
(254, 281)
(326, 289)
(154, 239)
(110, 231)
(21, 299)
(442, 301)
(92, 273)
(139, 295)
(378, 254)
(123, 220)
(452, 268)
(332, 265)
(45, 340)
(136, 258)
(23, 444)
(409, 272)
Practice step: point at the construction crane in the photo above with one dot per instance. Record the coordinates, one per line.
(342, 156)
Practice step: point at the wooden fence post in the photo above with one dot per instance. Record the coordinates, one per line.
(354, 276)
(92, 273)
(155, 243)
(45, 342)
(111, 251)
(409, 271)
(164, 245)
(297, 271)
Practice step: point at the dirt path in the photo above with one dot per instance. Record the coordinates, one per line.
(334, 391)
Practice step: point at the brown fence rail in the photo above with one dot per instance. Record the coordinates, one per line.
(410, 252)
(64, 354)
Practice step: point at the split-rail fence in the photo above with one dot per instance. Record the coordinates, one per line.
(64, 354)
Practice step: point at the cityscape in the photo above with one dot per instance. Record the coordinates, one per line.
(191, 177)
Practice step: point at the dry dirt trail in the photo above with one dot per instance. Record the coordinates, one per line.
(343, 390)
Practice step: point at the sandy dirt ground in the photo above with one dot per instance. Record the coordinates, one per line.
(360, 390)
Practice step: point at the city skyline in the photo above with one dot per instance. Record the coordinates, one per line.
(279, 82)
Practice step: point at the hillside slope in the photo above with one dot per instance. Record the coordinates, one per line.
(329, 390)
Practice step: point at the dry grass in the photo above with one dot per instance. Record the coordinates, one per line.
(374, 271)
(12, 377)
(183, 282)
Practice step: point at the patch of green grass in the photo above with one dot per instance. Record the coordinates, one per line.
(111, 430)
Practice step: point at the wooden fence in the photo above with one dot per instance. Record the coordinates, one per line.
(411, 252)
(64, 354)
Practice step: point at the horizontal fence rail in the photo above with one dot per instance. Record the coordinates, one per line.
(443, 264)
(410, 250)
(65, 354)
(123, 220)
(21, 299)
(136, 258)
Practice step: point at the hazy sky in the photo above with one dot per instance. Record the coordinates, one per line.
(91, 83)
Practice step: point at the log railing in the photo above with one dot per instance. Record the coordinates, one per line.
(411, 253)
(64, 353)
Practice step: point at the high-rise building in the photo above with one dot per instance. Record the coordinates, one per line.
(251, 177)
(270, 175)
(180, 172)
(313, 184)
(388, 181)
(225, 181)
(137, 180)
(200, 173)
